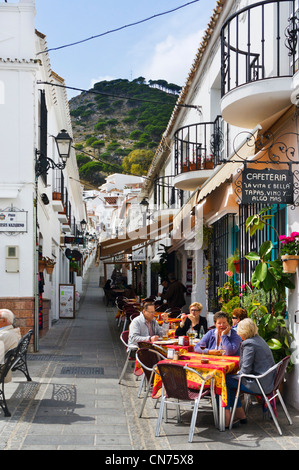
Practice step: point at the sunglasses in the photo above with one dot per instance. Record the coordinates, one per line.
(235, 318)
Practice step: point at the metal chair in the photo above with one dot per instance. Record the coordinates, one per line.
(9, 359)
(134, 315)
(155, 347)
(124, 337)
(21, 355)
(173, 312)
(280, 368)
(128, 312)
(160, 308)
(175, 386)
(148, 359)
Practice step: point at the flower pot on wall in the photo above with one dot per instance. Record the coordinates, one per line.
(289, 263)
(41, 265)
(239, 266)
(56, 196)
(49, 268)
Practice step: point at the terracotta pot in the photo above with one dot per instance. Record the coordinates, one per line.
(239, 266)
(289, 263)
(49, 268)
(56, 196)
(41, 266)
(209, 165)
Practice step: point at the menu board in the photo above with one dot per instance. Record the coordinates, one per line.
(66, 301)
(267, 186)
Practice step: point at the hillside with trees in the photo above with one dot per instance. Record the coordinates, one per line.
(118, 126)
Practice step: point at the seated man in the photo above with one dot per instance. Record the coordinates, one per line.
(9, 336)
(145, 327)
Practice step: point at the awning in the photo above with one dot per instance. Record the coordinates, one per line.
(145, 234)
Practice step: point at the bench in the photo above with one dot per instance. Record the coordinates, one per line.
(14, 359)
(20, 362)
(9, 359)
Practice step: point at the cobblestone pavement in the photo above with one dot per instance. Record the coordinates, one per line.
(74, 401)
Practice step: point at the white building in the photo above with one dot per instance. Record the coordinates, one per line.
(236, 112)
(46, 207)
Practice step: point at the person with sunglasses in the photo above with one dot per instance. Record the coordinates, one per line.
(193, 319)
(238, 315)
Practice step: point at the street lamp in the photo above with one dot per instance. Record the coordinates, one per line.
(144, 203)
(63, 142)
(43, 163)
(83, 224)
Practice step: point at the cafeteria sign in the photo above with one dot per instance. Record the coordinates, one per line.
(267, 186)
(13, 221)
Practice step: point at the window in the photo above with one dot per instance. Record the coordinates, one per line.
(247, 243)
(220, 249)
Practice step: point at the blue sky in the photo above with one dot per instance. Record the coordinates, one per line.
(162, 48)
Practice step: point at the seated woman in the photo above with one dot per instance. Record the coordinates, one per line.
(192, 319)
(238, 315)
(255, 358)
(222, 337)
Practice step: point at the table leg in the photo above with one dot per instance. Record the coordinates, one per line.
(221, 418)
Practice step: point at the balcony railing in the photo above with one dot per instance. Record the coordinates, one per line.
(166, 196)
(199, 146)
(259, 42)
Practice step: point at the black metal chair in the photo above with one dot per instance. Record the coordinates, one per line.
(280, 368)
(9, 359)
(173, 312)
(20, 362)
(175, 391)
(155, 347)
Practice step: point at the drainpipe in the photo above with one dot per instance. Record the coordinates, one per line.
(35, 270)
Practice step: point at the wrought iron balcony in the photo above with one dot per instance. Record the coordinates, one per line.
(198, 148)
(258, 43)
(166, 196)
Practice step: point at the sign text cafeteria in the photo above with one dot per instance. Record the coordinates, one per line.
(268, 186)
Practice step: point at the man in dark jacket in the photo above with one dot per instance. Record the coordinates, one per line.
(175, 294)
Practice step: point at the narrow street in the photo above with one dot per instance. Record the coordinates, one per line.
(74, 401)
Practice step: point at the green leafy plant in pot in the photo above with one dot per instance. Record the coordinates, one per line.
(269, 277)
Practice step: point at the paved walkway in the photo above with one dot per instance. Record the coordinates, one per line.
(75, 402)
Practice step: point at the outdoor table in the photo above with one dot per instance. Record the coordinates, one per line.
(170, 320)
(221, 364)
(171, 343)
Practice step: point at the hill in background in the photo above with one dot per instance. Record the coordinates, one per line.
(118, 126)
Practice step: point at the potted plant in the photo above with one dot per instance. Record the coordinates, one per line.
(56, 196)
(290, 252)
(41, 264)
(209, 163)
(234, 263)
(269, 277)
(73, 266)
(50, 263)
(228, 291)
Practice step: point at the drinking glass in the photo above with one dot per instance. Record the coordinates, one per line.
(202, 345)
(191, 334)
